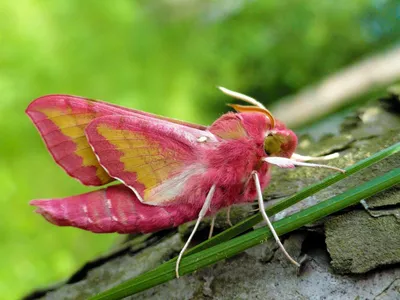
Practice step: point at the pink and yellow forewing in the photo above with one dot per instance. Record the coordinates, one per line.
(154, 158)
(61, 121)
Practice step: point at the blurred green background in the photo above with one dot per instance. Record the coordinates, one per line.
(161, 56)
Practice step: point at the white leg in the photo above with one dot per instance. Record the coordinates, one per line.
(262, 210)
(299, 157)
(373, 214)
(212, 227)
(228, 216)
(364, 204)
(202, 213)
(284, 162)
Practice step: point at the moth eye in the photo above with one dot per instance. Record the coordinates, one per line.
(272, 144)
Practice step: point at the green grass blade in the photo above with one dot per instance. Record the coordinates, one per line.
(232, 247)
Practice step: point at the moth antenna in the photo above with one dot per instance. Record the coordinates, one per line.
(202, 213)
(241, 108)
(265, 217)
(242, 97)
(248, 108)
(210, 233)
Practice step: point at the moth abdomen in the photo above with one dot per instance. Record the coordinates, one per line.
(114, 209)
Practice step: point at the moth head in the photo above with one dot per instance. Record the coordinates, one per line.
(280, 142)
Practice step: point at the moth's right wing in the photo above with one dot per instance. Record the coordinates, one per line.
(155, 158)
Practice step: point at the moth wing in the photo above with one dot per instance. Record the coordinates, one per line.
(61, 121)
(154, 158)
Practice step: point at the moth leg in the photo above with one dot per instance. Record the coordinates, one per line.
(202, 213)
(210, 233)
(368, 210)
(265, 217)
(228, 216)
(298, 157)
(284, 162)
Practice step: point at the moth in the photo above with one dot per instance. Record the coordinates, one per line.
(168, 171)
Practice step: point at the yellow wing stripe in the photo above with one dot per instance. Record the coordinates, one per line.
(141, 155)
(73, 126)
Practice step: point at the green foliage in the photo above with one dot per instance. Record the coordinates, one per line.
(157, 57)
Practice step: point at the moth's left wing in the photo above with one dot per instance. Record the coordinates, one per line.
(155, 158)
(61, 121)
